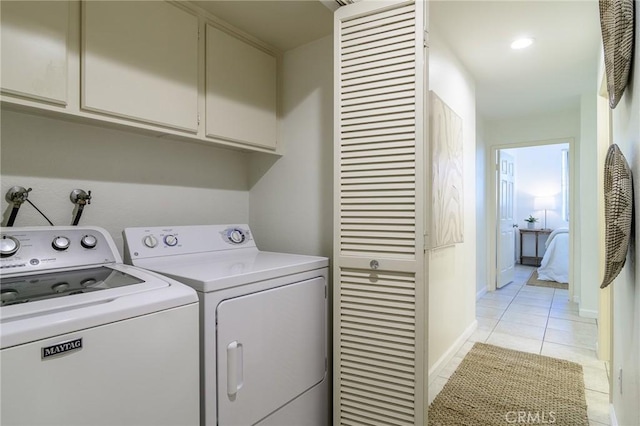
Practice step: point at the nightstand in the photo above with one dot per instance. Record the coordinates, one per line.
(536, 233)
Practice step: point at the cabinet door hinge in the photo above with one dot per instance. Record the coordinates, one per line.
(198, 119)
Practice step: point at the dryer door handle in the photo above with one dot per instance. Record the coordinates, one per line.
(235, 373)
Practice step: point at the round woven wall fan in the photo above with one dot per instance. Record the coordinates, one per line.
(616, 22)
(618, 212)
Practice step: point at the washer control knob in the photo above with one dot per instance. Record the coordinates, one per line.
(8, 295)
(60, 287)
(89, 241)
(150, 241)
(170, 240)
(8, 246)
(88, 282)
(60, 243)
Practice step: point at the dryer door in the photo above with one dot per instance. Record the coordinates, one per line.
(271, 347)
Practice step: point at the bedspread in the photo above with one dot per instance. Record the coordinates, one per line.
(555, 263)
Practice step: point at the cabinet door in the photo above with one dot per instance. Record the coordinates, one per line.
(34, 49)
(241, 90)
(140, 61)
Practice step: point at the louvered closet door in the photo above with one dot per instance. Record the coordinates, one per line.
(379, 277)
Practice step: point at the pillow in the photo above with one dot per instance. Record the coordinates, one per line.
(618, 212)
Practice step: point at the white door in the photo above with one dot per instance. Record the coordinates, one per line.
(380, 309)
(271, 347)
(506, 231)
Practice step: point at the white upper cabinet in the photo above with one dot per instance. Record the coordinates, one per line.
(241, 90)
(140, 61)
(34, 49)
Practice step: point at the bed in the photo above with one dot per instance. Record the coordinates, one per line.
(555, 263)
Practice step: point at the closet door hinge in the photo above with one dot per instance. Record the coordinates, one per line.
(426, 38)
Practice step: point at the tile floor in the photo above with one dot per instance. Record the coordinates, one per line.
(543, 321)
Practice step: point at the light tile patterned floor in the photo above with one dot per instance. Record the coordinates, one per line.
(540, 320)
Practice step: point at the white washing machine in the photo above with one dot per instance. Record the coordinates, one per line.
(263, 322)
(87, 340)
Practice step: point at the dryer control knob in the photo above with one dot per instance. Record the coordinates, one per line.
(150, 241)
(89, 241)
(236, 236)
(171, 240)
(8, 246)
(60, 243)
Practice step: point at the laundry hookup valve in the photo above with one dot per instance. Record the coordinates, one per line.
(80, 198)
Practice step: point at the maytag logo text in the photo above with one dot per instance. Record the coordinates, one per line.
(60, 348)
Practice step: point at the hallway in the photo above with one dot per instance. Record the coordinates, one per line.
(539, 320)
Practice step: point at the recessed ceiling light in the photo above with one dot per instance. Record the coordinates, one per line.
(521, 43)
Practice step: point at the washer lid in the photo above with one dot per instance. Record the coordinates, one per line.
(125, 292)
(30, 288)
(215, 271)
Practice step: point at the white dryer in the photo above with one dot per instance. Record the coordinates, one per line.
(263, 322)
(87, 340)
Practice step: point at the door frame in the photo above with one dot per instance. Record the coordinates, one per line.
(492, 211)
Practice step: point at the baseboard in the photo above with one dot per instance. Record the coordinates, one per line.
(453, 349)
(588, 313)
(481, 293)
(612, 415)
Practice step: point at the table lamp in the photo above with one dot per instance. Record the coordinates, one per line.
(544, 203)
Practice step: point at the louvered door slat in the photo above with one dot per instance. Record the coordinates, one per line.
(382, 408)
(376, 149)
(357, 89)
(377, 62)
(374, 18)
(399, 112)
(391, 24)
(377, 78)
(374, 40)
(379, 315)
(368, 101)
(373, 158)
(377, 59)
(357, 50)
(380, 119)
(383, 18)
(358, 55)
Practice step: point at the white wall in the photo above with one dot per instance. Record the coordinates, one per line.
(554, 125)
(452, 270)
(291, 199)
(586, 247)
(538, 173)
(626, 288)
(482, 192)
(135, 180)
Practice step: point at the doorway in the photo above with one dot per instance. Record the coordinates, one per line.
(542, 192)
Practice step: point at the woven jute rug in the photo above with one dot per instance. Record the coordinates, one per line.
(497, 386)
(533, 280)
